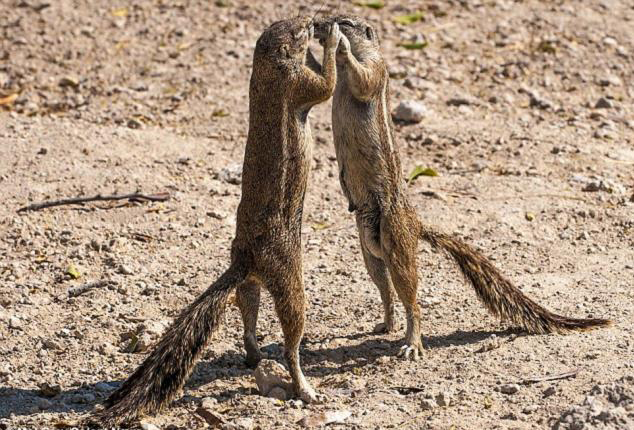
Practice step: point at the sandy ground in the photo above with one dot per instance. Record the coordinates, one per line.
(529, 122)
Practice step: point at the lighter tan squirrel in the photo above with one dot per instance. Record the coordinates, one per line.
(286, 82)
(389, 228)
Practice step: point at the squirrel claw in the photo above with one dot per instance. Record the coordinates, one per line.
(410, 352)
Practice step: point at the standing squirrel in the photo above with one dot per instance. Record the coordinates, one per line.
(389, 229)
(286, 82)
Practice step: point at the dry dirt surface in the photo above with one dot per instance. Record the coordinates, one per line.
(528, 120)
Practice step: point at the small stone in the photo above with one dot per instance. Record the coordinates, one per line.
(269, 375)
(414, 83)
(549, 391)
(209, 403)
(530, 409)
(409, 111)
(538, 101)
(134, 123)
(610, 41)
(462, 100)
(278, 393)
(43, 403)
(103, 387)
(608, 80)
(603, 103)
(216, 215)
(84, 398)
(242, 424)
(69, 81)
(583, 236)
(126, 270)
(321, 419)
(428, 404)
(444, 398)
(51, 344)
(48, 390)
(530, 216)
(15, 323)
(231, 174)
(509, 388)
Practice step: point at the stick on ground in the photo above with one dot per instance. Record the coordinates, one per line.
(134, 197)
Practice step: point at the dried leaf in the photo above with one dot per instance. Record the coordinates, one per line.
(421, 171)
(8, 99)
(220, 113)
(374, 4)
(120, 12)
(546, 47)
(410, 18)
(73, 272)
(214, 419)
(320, 226)
(131, 346)
(413, 45)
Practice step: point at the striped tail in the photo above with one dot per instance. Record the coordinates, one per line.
(498, 293)
(158, 380)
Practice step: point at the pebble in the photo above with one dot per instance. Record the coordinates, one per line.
(509, 388)
(51, 344)
(240, 424)
(409, 111)
(530, 409)
(270, 375)
(538, 101)
(43, 403)
(69, 81)
(278, 393)
(428, 404)
(134, 124)
(549, 391)
(231, 174)
(103, 387)
(603, 103)
(444, 398)
(15, 323)
(462, 100)
(126, 270)
(48, 390)
(608, 80)
(84, 398)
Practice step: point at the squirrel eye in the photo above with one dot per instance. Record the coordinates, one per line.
(347, 22)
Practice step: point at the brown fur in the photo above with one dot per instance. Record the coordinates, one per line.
(389, 229)
(266, 251)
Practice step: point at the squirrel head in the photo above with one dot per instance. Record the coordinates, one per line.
(285, 40)
(361, 35)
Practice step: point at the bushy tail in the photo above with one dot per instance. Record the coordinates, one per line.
(164, 372)
(500, 296)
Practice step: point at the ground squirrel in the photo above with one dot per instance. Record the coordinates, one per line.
(389, 229)
(286, 82)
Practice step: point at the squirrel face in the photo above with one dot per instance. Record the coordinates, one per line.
(285, 40)
(359, 32)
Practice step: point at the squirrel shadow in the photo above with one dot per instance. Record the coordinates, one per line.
(231, 365)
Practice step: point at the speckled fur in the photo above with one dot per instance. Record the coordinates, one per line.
(389, 229)
(285, 83)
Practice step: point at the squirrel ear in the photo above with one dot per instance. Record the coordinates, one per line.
(369, 33)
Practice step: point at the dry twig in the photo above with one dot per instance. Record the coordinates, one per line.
(134, 197)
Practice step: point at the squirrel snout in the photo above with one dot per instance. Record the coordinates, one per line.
(321, 29)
